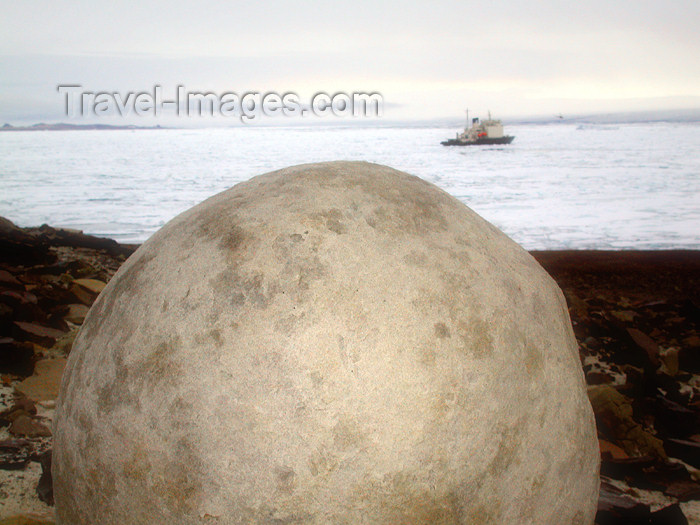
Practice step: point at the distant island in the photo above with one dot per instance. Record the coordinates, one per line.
(62, 126)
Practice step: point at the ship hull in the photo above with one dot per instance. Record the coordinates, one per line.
(484, 141)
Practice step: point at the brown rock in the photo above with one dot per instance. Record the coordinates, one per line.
(65, 343)
(613, 413)
(626, 316)
(26, 519)
(670, 361)
(22, 406)
(82, 295)
(596, 377)
(76, 313)
(91, 285)
(611, 450)
(44, 384)
(13, 413)
(27, 426)
(25, 404)
(577, 306)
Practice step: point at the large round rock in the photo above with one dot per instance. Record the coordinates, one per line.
(329, 343)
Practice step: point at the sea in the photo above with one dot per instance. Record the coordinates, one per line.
(559, 185)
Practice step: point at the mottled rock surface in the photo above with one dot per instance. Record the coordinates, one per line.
(331, 343)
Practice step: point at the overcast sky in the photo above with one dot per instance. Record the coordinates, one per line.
(427, 59)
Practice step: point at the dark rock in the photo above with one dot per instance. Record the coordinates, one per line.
(52, 296)
(672, 388)
(622, 349)
(689, 359)
(44, 489)
(672, 419)
(77, 239)
(662, 475)
(42, 335)
(10, 461)
(617, 508)
(592, 343)
(56, 319)
(23, 306)
(7, 280)
(18, 297)
(14, 444)
(596, 377)
(623, 468)
(21, 248)
(7, 315)
(14, 454)
(635, 379)
(58, 269)
(647, 344)
(683, 490)
(16, 358)
(671, 515)
(690, 310)
(647, 473)
(688, 451)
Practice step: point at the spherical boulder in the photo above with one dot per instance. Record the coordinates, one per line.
(334, 343)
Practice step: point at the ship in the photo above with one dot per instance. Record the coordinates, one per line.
(481, 133)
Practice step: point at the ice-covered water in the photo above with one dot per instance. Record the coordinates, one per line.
(556, 186)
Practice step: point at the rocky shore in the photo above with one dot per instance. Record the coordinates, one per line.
(635, 315)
